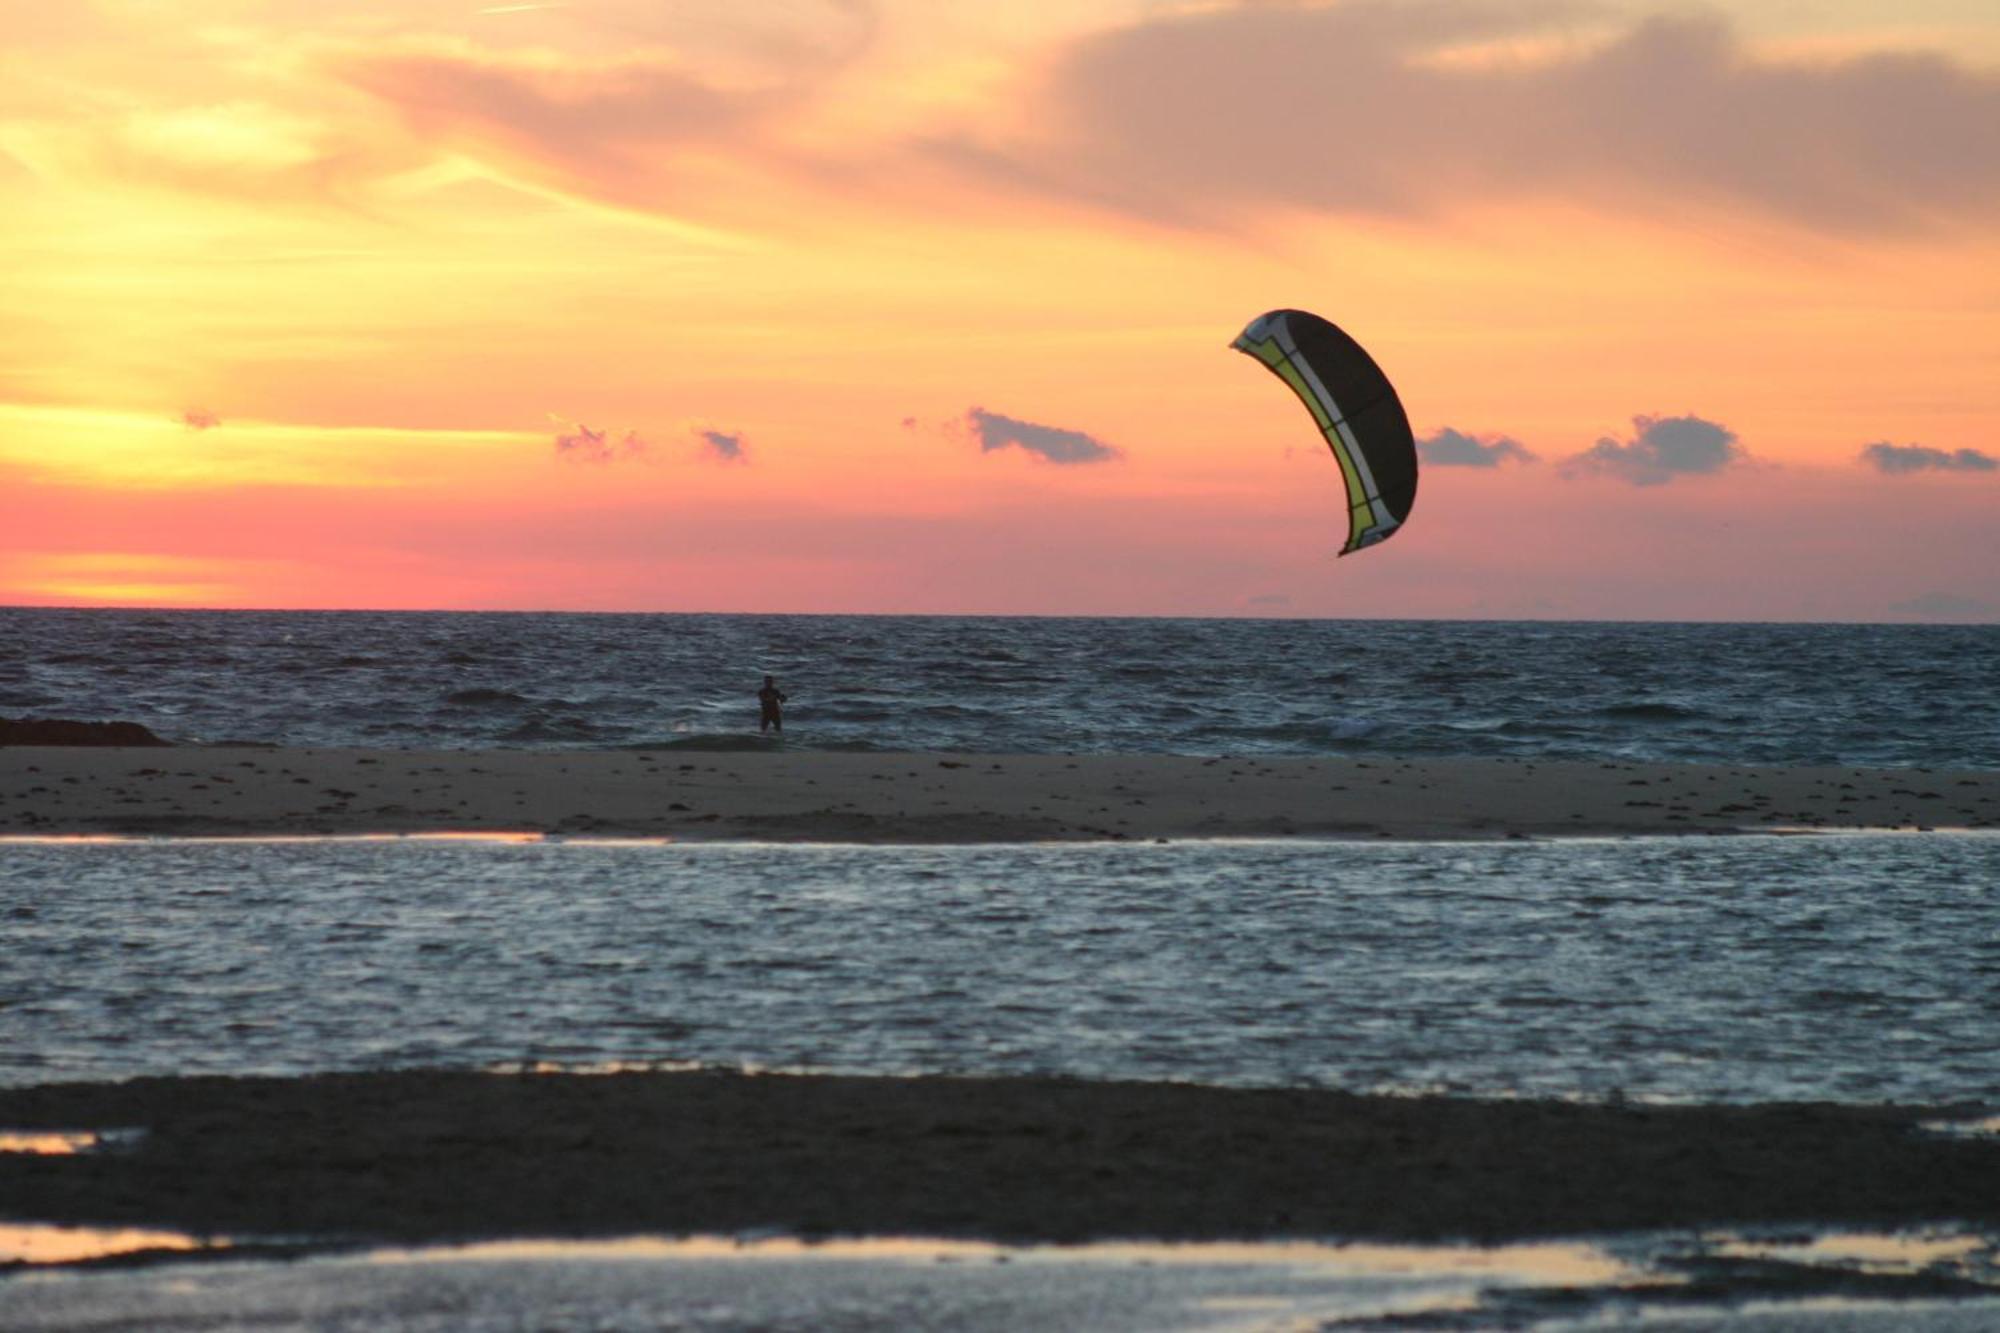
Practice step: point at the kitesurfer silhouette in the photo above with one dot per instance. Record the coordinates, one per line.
(771, 716)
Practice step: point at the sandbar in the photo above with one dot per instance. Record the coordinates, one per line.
(439, 1155)
(940, 798)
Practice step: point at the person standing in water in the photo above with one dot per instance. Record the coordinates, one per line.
(771, 716)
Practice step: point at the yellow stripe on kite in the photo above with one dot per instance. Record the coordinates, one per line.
(1266, 351)
(1290, 374)
(1349, 474)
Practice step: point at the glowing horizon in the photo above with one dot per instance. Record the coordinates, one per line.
(600, 307)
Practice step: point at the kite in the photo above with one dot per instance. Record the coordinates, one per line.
(1357, 411)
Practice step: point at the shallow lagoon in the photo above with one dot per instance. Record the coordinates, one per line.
(1936, 1282)
(1861, 968)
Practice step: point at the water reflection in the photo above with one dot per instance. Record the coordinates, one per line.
(1575, 1263)
(65, 1142)
(50, 1143)
(1872, 1252)
(33, 1243)
(735, 1284)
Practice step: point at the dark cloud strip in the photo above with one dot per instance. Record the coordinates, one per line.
(1451, 448)
(722, 446)
(1052, 443)
(581, 444)
(1902, 459)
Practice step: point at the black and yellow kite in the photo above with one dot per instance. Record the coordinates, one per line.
(1357, 411)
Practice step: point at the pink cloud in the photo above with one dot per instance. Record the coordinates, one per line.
(583, 114)
(644, 131)
(1198, 116)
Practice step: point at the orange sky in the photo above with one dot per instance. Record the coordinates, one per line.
(617, 304)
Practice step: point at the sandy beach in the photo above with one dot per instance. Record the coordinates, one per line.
(432, 1155)
(881, 797)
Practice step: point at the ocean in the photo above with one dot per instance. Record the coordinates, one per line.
(1858, 968)
(1870, 695)
(1850, 968)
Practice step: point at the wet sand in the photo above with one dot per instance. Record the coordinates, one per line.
(818, 796)
(427, 1156)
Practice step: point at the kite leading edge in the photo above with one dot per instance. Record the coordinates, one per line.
(1357, 411)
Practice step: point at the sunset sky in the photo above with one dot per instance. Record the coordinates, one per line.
(901, 306)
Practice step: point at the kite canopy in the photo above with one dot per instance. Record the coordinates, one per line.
(1357, 411)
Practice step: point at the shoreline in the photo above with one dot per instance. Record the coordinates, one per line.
(882, 797)
(443, 1155)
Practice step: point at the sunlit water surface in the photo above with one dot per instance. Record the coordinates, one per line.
(1938, 1283)
(1747, 968)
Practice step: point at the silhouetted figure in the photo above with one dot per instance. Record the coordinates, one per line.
(771, 716)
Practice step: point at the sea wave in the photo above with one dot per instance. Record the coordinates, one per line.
(1648, 712)
(481, 698)
(559, 730)
(1866, 695)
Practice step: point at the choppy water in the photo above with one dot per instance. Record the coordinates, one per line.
(1852, 694)
(1857, 968)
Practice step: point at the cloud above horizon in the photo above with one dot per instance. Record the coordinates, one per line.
(648, 129)
(200, 418)
(1903, 459)
(1451, 448)
(1660, 449)
(1050, 443)
(1168, 118)
(722, 446)
(1400, 109)
(579, 443)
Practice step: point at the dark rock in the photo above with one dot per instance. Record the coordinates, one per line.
(66, 731)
